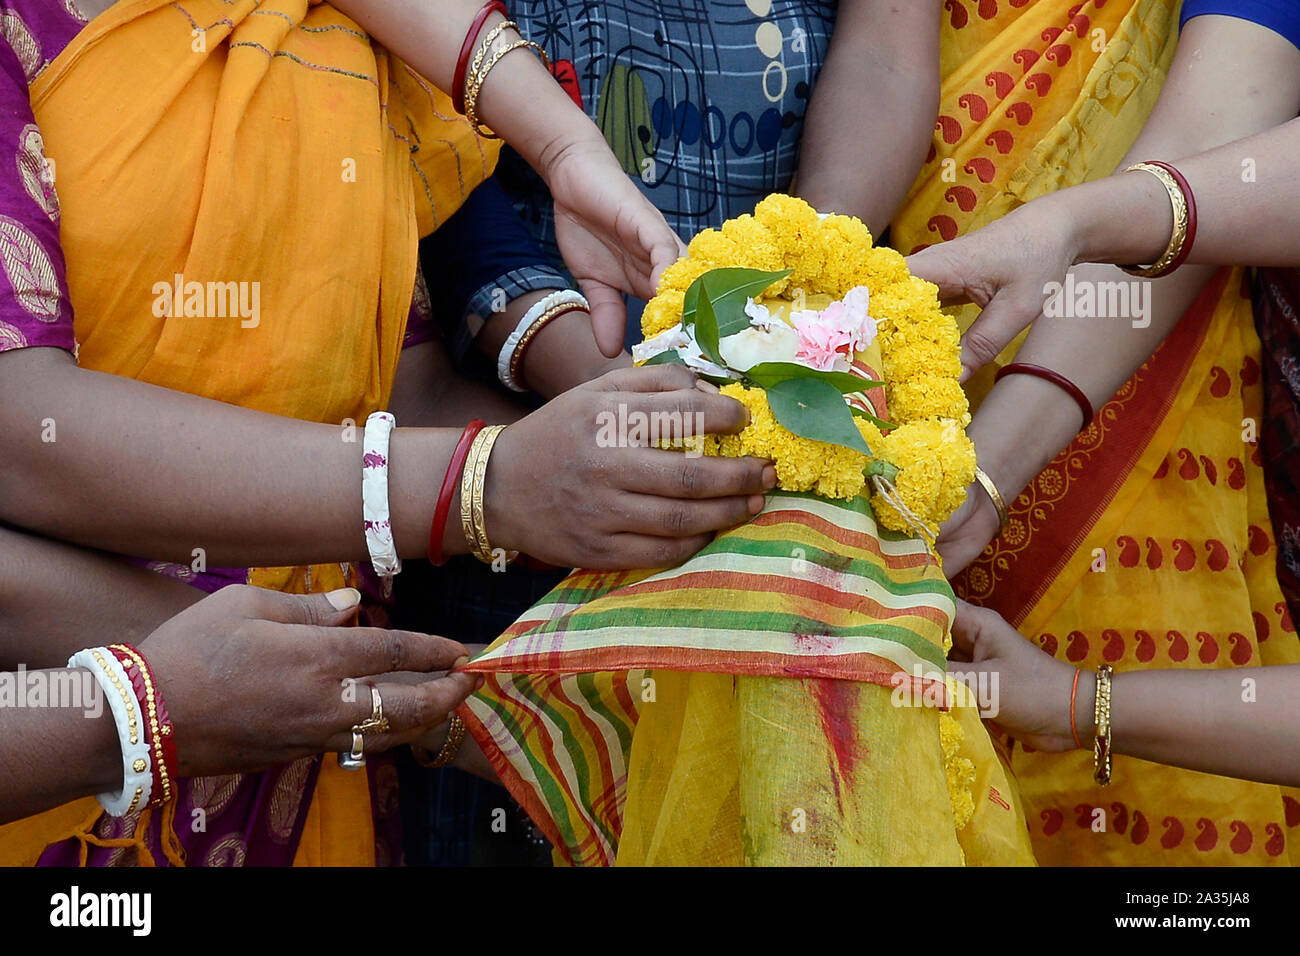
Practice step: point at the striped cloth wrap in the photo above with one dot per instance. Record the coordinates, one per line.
(810, 592)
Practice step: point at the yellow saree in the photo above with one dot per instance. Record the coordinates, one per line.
(272, 151)
(1147, 542)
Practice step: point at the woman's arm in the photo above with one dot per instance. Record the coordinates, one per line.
(140, 470)
(873, 109)
(612, 239)
(55, 598)
(251, 679)
(1238, 722)
(1231, 83)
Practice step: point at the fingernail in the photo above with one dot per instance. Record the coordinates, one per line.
(344, 599)
(769, 477)
(704, 386)
(756, 503)
(478, 684)
(460, 662)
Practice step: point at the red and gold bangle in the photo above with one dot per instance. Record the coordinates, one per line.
(467, 47)
(450, 481)
(543, 320)
(1056, 378)
(158, 729)
(1183, 236)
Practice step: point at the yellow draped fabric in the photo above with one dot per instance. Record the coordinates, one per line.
(270, 145)
(1147, 543)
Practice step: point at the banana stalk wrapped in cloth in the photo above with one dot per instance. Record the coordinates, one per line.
(774, 700)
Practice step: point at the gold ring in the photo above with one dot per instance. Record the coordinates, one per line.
(376, 723)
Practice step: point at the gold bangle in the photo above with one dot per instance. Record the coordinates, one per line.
(479, 71)
(1179, 235)
(1101, 754)
(543, 320)
(467, 494)
(999, 503)
(450, 747)
(485, 553)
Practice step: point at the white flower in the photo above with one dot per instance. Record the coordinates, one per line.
(749, 347)
(760, 316)
(694, 359)
(672, 338)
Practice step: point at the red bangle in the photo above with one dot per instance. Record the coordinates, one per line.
(450, 482)
(1056, 378)
(1190, 199)
(467, 47)
(157, 725)
(1074, 691)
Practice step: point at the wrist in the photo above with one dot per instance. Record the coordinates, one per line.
(564, 354)
(1125, 218)
(1085, 703)
(1023, 424)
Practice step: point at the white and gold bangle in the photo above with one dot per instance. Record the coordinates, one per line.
(505, 359)
(137, 768)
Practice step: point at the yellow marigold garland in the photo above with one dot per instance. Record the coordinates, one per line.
(920, 352)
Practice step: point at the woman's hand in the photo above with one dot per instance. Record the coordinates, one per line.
(1032, 693)
(967, 531)
(1003, 268)
(254, 678)
(577, 484)
(612, 239)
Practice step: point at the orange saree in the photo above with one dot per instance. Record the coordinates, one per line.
(272, 149)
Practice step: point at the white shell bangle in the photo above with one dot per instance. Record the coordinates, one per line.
(538, 309)
(374, 497)
(137, 765)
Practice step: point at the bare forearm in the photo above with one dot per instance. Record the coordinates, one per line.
(522, 103)
(873, 111)
(56, 599)
(146, 471)
(1219, 91)
(1242, 722)
(52, 755)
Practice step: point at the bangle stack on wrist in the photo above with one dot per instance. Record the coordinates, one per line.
(1183, 203)
(471, 73)
(542, 313)
(144, 729)
(473, 485)
(450, 747)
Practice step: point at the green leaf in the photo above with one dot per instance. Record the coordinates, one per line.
(816, 410)
(729, 289)
(767, 374)
(666, 357)
(880, 423)
(706, 328)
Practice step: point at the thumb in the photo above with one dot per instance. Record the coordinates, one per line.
(608, 316)
(329, 609)
(999, 323)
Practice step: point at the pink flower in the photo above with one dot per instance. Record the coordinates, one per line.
(821, 344)
(828, 339)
